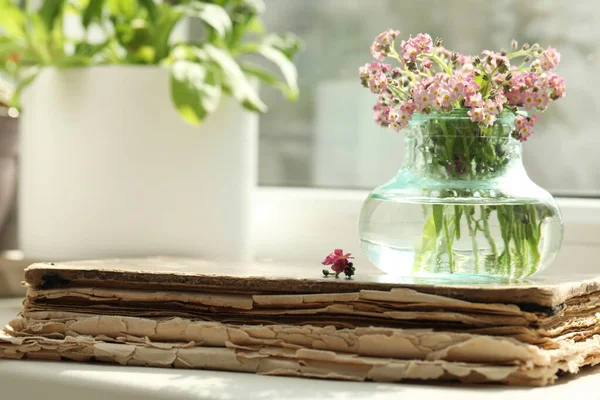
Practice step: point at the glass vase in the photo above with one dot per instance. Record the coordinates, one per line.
(461, 206)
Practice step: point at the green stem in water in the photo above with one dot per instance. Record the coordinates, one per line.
(487, 232)
(449, 243)
(457, 217)
(505, 259)
(472, 225)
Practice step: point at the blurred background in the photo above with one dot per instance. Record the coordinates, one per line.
(327, 138)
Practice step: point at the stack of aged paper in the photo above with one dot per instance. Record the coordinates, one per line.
(270, 319)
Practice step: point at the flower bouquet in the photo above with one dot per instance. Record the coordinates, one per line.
(465, 118)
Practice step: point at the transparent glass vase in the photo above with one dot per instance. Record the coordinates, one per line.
(462, 206)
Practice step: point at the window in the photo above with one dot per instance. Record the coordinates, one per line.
(327, 138)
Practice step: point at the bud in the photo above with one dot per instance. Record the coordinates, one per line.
(454, 57)
(503, 53)
(325, 272)
(514, 45)
(535, 46)
(525, 46)
(476, 73)
(438, 42)
(509, 76)
(527, 59)
(476, 60)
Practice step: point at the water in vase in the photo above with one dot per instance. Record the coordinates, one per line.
(459, 237)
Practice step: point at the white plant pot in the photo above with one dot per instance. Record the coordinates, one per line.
(109, 169)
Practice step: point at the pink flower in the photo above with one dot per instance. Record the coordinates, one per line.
(515, 80)
(476, 114)
(492, 107)
(401, 122)
(456, 87)
(422, 100)
(559, 89)
(554, 80)
(529, 80)
(528, 100)
(501, 100)
(489, 119)
(541, 100)
(413, 47)
(338, 260)
(410, 52)
(514, 97)
(524, 126)
(470, 88)
(474, 100)
(550, 59)
(426, 63)
(380, 112)
(444, 98)
(382, 45)
(373, 71)
(520, 121)
(424, 43)
(403, 119)
(408, 107)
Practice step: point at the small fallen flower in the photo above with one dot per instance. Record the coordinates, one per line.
(339, 264)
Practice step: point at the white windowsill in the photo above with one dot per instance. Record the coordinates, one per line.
(302, 224)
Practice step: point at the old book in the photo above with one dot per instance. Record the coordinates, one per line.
(367, 328)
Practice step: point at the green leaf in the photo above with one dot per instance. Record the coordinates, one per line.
(85, 49)
(125, 8)
(167, 19)
(212, 14)
(151, 7)
(288, 69)
(92, 12)
(235, 78)
(39, 36)
(269, 78)
(255, 25)
(49, 11)
(289, 44)
(73, 61)
(12, 20)
(195, 90)
(24, 81)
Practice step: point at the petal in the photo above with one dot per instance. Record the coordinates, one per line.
(338, 268)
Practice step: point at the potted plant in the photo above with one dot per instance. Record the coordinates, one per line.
(109, 166)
